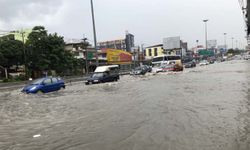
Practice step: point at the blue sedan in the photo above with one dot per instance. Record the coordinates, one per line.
(44, 85)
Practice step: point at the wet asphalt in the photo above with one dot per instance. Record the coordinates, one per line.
(205, 108)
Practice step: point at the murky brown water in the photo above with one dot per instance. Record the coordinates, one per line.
(206, 108)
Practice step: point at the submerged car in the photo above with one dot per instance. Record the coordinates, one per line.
(104, 74)
(190, 64)
(44, 85)
(140, 71)
(101, 77)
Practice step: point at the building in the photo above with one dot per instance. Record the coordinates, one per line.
(114, 44)
(130, 41)
(76, 48)
(123, 44)
(20, 35)
(154, 51)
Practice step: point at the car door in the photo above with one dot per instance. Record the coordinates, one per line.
(55, 84)
(47, 85)
(106, 77)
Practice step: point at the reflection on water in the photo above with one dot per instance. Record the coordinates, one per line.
(200, 109)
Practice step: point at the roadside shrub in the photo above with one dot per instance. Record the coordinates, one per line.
(6, 80)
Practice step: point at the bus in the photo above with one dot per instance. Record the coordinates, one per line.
(166, 60)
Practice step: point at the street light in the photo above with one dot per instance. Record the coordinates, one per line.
(197, 44)
(94, 31)
(205, 21)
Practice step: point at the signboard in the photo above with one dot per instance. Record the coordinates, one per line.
(207, 53)
(118, 57)
(90, 55)
(172, 43)
(211, 44)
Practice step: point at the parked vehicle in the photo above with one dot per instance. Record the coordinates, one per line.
(44, 85)
(204, 63)
(104, 74)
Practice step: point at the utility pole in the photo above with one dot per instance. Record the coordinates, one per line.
(24, 53)
(134, 58)
(232, 43)
(225, 41)
(205, 21)
(142, 52)
(85, 46)
(94, 31)
(236, 44)
(6, 72)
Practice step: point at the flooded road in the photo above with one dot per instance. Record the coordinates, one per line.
(206, 108)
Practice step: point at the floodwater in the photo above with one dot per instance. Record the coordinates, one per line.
(205, 108)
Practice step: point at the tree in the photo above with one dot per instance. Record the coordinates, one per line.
(46, 52)
(11, 53)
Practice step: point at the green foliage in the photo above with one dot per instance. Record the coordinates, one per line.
(11, 53)
(46, 52)
(234, 52)
(43, 52)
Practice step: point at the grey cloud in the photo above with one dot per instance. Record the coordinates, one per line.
(27, 9)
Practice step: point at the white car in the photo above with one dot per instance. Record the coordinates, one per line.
(204, 63)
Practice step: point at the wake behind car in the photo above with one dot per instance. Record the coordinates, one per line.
(44, 85)
(104, 74)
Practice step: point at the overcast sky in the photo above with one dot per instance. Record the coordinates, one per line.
(149, 20)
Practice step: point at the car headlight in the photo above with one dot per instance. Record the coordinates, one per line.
(33, 88)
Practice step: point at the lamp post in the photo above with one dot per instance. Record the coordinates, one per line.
(94, 31)
(205, 21)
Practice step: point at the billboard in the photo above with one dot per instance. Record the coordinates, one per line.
(172, 43)
(211, 44)
(115, 56)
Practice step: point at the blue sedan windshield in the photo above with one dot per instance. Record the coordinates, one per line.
(37, 81)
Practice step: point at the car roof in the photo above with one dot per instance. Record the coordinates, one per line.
(48, 78)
